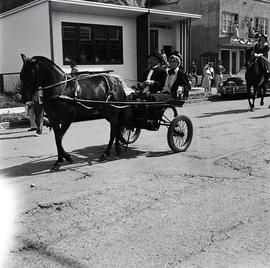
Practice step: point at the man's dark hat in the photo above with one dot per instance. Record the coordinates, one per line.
(178, 54)
(156, 55)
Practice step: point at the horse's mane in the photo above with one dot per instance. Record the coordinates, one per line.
(44, 59)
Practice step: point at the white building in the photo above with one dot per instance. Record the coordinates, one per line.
(96, 36)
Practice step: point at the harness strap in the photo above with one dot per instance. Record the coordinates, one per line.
(57, 84)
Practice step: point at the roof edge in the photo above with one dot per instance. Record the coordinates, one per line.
(23, 7)
(174, 13)
(104, 5)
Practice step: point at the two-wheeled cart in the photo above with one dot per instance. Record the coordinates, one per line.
(137, 115)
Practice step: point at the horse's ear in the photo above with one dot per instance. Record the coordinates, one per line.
(24, 58)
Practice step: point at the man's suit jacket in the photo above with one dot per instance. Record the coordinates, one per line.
(181, 80)
(158, 76)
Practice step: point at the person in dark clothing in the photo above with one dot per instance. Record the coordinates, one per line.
(261, 50)
(154, 78)
(194, 72)
(219, 70)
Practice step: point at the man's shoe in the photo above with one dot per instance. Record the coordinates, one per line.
(32, 129)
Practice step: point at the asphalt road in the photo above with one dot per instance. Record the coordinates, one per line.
(206, 207)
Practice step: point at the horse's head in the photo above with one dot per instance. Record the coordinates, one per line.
(29, 78)
(38, 72)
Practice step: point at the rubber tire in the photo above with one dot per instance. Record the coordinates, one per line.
(133, 137)
(171, 134)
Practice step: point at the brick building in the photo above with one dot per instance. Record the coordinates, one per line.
(214, 36)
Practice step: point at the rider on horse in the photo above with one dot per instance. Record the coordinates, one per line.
(261, 49)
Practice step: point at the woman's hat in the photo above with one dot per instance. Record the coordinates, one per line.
(178, 54)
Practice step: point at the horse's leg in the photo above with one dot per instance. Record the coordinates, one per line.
(107, 152)
(38, 110)
(250, 95)
(64, 128)
(263, 92)
(117, 141)
(59, 134)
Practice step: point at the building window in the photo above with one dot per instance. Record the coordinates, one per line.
(261, 25)
(92, 44)
(228, 21)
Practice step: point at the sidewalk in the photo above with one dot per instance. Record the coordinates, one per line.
(15, 110)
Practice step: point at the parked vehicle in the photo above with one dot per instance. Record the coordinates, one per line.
(236, 84)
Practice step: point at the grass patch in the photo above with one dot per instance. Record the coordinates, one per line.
(10, 100)
(14, 117)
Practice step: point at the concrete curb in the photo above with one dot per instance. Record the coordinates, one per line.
(21, 123)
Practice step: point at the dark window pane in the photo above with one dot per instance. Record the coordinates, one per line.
(86, 53)
(114, 34)
(70, 51)
(70, 33)
(100, 33)
(225, 58)
(85, 34)
(92, 44)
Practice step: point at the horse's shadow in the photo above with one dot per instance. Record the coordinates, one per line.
(19, 137)
(81, 157)
(238, 111)
(261, 117)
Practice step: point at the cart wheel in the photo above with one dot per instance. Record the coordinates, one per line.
(128, 135)
(168, 115)
(180, 133)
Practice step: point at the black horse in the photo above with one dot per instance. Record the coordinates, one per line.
(41, 74)
(254, 77)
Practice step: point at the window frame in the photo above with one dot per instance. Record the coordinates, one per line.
(228, 28)
(109, 44)
(257, 21)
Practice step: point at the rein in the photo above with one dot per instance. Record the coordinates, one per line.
(57, 84)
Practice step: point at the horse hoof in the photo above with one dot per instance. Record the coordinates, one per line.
(55, 167)
(118, 151)
(104, 157)
(69, 159)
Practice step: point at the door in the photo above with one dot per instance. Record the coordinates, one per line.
(234, 62)
(225, 58)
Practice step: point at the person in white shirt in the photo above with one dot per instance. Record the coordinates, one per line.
(176, 81)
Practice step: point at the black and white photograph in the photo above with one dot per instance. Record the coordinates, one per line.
(134, 134)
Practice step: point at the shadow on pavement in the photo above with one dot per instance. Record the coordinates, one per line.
(261, 117)
(238, 111)
(159, 154)
(45, 252)
(86, 156)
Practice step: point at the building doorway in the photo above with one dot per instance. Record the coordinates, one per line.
(232, 59)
